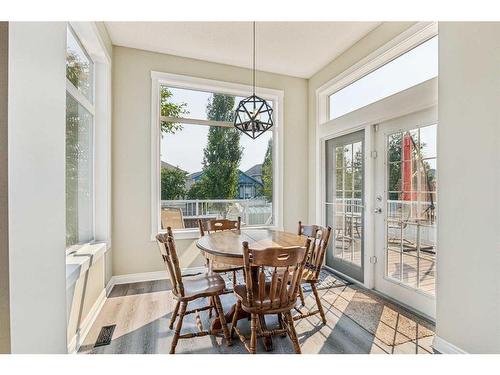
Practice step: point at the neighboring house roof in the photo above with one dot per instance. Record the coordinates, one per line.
(246, 178)
(243, 177)
(195, 175)
(169, 166)
(255, 172)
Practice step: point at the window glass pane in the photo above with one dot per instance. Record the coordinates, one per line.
(409, 69)
(79, 66)
(214, 172)
(79, 173)
(199, 105)
(428, 141)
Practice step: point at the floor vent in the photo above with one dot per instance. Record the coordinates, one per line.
(105, 336)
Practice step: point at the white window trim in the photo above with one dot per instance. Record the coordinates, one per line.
(223, 87)
(94, 46)
(365, 117)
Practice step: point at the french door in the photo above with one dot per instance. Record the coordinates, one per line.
(405, 209)
(344, 204)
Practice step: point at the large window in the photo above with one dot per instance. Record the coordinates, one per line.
(411, 68)
(79, 143)
(208, 169)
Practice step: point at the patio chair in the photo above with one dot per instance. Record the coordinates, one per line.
(320, 238)
(172, 217)
(259, 297)
(188, 289)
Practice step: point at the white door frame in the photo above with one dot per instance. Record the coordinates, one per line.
(414, 99)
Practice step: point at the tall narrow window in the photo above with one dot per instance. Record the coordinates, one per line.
(209, 170)
(79, 143)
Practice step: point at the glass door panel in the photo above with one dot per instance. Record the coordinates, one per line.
(345, 203)
(411, 207)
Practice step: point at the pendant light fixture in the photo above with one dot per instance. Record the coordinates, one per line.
(254, 115)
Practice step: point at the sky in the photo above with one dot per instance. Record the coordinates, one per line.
(185, 148)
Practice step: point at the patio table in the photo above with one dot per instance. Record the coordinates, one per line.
(226, 247)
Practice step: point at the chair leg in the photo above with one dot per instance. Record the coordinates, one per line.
(222, 319)
(174, 315)
(212, 304)
(235, 317)
(292, 333)
(253, 335)
(301, 295)
(178, 327)
(234, 278)
(318, 303)
(281, 324)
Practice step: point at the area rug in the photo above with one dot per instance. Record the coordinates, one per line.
(388, 322)
(391, 324)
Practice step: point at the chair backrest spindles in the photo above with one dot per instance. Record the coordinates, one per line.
(308, 230)
(285, 265)
(168, 252)
(216, 225)
(320, 237)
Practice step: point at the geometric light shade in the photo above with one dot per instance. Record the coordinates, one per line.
(253, 116)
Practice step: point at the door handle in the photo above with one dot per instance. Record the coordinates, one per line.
(378, 210)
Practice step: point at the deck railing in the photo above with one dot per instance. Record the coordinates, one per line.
(251, 211)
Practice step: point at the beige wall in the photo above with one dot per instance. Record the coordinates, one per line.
(370, 43)
(4, 202)
(468, 287)
(133, 250)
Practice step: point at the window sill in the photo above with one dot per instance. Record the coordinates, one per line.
(78, 262)
(192, 234)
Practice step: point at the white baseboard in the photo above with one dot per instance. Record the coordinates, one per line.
(87, 323)
(445, 347)
(145, 276)
(135, 278)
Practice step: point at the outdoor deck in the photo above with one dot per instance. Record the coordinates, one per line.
(357, 322)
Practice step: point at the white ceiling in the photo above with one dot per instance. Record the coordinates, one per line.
(297, 49)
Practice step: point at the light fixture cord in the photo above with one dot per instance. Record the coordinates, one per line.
(254, 57)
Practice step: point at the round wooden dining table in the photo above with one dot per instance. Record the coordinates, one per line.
(226, 247)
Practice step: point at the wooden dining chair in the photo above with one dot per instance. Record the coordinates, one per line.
(319, 237)
(310, 232)
(217, 225)
(259, 297)
(188, 289)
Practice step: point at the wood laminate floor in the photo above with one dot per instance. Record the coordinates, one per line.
(358, 321)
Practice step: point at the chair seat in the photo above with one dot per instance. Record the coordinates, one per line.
(205, 285)
(266, 304)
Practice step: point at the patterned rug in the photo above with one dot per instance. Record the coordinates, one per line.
(388, 322)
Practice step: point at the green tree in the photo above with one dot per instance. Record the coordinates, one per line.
(173, 183)
(222, 155)
(169, 109)
(267, 173)
(197, 191)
